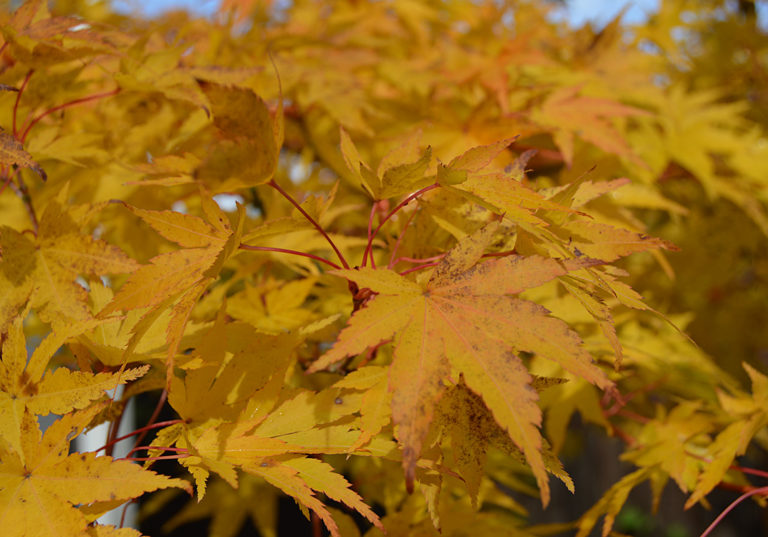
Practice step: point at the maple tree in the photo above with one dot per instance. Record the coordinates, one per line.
(458, 226)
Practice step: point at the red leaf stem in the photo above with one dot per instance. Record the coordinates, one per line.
(139, 431)
(163, 448)
(421, 260)
(737, 501)
(392, 260)
(400, 205)
(286, 251)
(66, 105)
(160, 458)
(633, 416)
(311, 220)
(419, 267)
(370, 238)
(18, 98)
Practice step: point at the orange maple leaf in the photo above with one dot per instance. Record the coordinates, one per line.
(465, 321)
(567, 113)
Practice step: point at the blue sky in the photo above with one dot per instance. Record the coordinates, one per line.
(600, 12)
(579, 11)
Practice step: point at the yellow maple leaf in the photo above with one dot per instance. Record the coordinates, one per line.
(300, 476)
(25, 386)
(273, 446)
(179, 277)
(246, 153)
(375, 411)
(735, 438)
(206, 244)
(400, 172)
(41, 486)
(238, 415)
(498, 191)
(236, 363)
(45, 268)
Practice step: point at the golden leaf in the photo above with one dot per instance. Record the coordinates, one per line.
(464, 320)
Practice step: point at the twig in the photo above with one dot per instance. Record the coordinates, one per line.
(22, 191)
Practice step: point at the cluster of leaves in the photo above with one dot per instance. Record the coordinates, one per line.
(422, 281)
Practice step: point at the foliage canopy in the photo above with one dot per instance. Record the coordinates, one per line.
(447, 213)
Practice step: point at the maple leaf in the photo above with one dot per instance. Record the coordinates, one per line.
(472, 431)
(271, 446)
(669, 440)
(276, 309)
(41, 486)
(25, 386)
(181, 275)
(206, 244)
(237, 414)
(40, 40)
(159, 70)
(247, 152)
(45, 269)
(497, 191)
(108, 341)
(375, 404)
(400, 172)
(304, 422)
(464, 320)
(734, 439)
(299, 476)
(12, 154)
(566, 113)
(236, 362)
